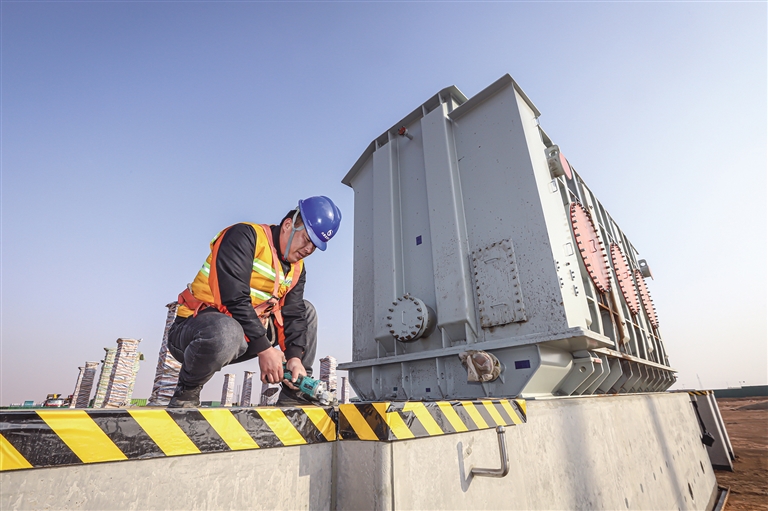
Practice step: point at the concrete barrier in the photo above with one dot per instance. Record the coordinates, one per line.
(297, 477)
(639, 451)
(598, 452)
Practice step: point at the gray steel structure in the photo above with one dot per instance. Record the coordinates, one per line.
(463, 240)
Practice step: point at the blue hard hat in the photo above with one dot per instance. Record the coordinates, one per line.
(321, 218)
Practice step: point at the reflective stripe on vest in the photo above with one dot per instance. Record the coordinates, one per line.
(260, 267)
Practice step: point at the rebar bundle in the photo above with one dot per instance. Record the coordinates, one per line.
(345, 391)
(245, 397)
(122, 377)
(167, 371)
(82, 393)
(228, 391)
(328, 373)
(106, 372)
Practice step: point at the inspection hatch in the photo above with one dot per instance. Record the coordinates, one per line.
(497, 284)
(591, 248)
(410, 318)
(624, 276)
(645, 296)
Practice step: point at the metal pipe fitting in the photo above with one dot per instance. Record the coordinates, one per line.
(495, 472)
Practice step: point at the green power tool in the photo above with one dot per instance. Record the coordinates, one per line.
(315, 389)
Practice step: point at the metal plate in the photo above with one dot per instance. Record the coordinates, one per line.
(591, 248)
(624, 276)
(499, 295)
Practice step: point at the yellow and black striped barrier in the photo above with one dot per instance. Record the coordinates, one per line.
(56, 437)
(388, 421)
(45, 438)
(699, 392)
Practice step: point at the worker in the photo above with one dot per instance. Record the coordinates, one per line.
(247, 301)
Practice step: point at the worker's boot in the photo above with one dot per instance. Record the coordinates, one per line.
(185, 396)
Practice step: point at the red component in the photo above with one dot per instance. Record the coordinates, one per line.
(402, 131)
(645, 296)
(566, 166)
(624, 276)
(591, 248)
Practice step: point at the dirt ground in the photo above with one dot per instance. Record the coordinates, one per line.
(746, 420)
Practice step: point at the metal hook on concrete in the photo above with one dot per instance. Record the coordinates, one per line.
(495, 472)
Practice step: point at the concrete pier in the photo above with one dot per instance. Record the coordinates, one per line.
(597, 452)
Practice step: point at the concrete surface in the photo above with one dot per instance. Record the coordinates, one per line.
(598, 452)
(298, 477)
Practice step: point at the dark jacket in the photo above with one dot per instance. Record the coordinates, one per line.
(234, 264)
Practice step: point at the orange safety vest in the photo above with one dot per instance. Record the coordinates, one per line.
(268, 285)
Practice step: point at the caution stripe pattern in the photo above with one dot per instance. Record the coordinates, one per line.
(699, 392)
(47, 438)
(391, 421)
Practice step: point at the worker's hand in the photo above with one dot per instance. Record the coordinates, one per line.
(296, 368)
(271, 365)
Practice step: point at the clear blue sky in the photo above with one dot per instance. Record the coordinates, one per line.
(132, 132)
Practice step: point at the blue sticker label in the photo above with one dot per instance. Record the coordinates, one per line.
(418, 240)
(522, 364)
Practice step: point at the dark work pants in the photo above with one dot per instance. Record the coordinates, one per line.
(211, 340)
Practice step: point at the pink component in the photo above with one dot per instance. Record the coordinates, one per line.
(591, 248)
(624, 276)
(566, 166)
(645, 296)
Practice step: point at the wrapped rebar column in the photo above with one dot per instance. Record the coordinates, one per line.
(122, 375)
(328, 373)
(245, 397)
(167, 371)
(269, 393)
(228, 391)
(344, 394)
(139, 358)
(106, 372)
(82, 394)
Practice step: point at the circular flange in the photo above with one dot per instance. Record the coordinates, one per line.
(645, 296)
(591, 248)
(624, 276)
(410, 318)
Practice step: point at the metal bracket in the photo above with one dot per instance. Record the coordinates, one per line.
(495, 472)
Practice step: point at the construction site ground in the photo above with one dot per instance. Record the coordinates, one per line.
(746, 420)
